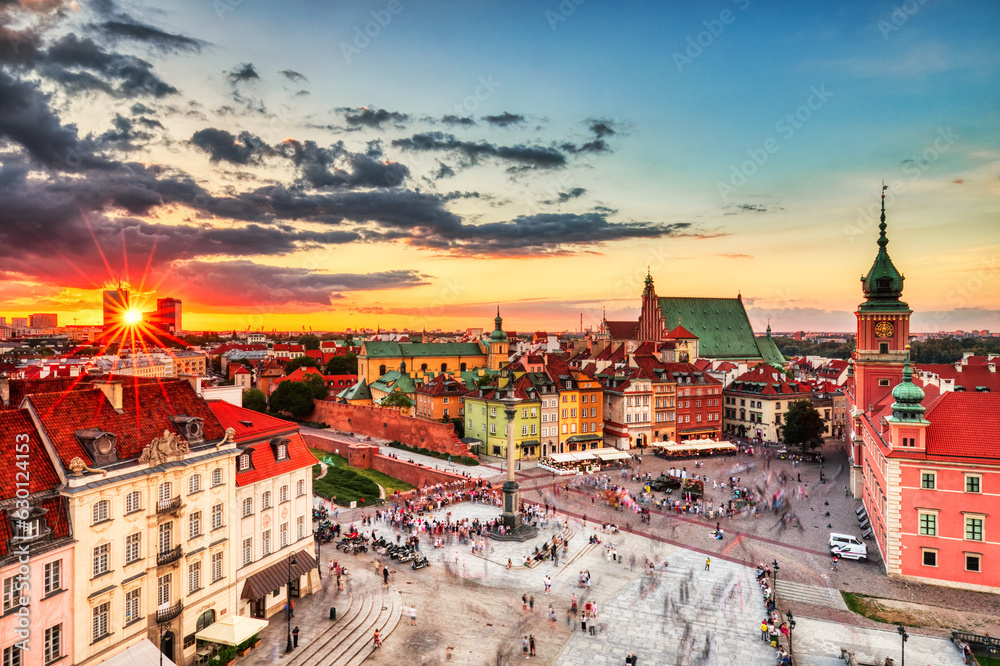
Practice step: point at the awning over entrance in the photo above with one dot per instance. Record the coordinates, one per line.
(612, 455)
(571, 456)
(143, 653)
(584, 438)
(529, 442)
(231, 630)
(276, 576)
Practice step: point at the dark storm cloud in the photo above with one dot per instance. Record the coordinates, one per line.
(18, 46)
(504, 119)
(126, 135)
(337, 167)
(457, 120)
(292, 75)
(133, 30)
(112, 73)
(534, 156)
(363, 116)
(244, 72)
(223, 146)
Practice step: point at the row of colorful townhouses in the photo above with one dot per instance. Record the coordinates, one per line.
(137, 515)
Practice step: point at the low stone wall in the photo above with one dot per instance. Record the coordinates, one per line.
(367, 456)
(390, 424)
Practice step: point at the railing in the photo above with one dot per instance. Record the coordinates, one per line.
(168, 614)
(168, 506)
(168, 556)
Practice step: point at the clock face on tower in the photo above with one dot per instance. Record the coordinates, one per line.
(883, 329)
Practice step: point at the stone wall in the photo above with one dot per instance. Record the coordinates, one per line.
(390, 424)
(367, 456)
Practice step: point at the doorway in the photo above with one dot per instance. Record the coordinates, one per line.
(167, 645)
(293, 589)
(259, 608)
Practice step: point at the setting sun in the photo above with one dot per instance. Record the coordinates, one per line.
(133, 317)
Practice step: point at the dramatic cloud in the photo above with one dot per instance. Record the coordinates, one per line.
(602, 128)
(129, 133)
(533, 156)
(363, 116)
(444, 171)
(595, 146)
(505, 119)
(242, 73)
(336, 167)
(80, 65)
(140, 32)
(563, 197)
(457, 120)
(292, 75)
(222, 146)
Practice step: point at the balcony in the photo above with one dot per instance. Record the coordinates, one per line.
(169, 506)
(167, 614)
(165, 557)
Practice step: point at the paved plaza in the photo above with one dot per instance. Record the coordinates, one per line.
(819, 638)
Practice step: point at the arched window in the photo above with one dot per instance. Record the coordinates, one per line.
(133, 501)
(462, 367)
(194, 484)
(381, 370)
(205, 619)
(444, 367)
(102, 511)
(423, 366)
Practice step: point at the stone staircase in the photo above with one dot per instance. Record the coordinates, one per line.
(348, 641)
(814, 595)
(565, 534)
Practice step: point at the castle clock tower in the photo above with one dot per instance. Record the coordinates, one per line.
(883, 328)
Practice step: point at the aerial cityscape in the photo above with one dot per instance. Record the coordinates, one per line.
(389, 332)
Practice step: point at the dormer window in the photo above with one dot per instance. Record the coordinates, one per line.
(191, 428)
(279, 446)
(101, 446)
(243, 462)
(27, 528)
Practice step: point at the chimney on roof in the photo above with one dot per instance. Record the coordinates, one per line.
(112, 391)
(194, 380)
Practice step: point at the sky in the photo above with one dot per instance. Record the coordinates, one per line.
(414, 164)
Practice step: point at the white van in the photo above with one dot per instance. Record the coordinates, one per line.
(848, 547)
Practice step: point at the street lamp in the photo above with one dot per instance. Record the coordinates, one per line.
(993, 650)
(791, 626)
(901, 630)
(774, 580)
(288, 603)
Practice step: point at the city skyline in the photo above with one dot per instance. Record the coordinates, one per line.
(353, 166)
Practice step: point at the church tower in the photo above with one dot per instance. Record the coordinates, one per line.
(499, 347)
(651, 325)
(883, 328)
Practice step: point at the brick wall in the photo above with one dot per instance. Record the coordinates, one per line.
(367, 456)
(390, 424)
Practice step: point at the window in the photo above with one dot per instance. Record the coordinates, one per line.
(53, 577)
(572, 413)
(973, 528)
(593, 412)
(282, 451)
(194, 577)
(163, 591)
(283, 493)
(973, 483)
(166, 535)
(243, 462)
(12, 656)
(524, 430)
(265, 543)
(930, 557)
(524, 413)
(100, 624)
(205, 619)
(493, 428)
(534, 428)
(194, 484)
(165, 494)
(545, 432)
(217, 476)
(102, 510)
(132, 607)
(216, 516)
(300, 527)
(265, 500)
(102, 559)
(493, 412)
(300, 488)
(9, 595)
(133, 502)
(194, 525)
(133, 547)
(883, 348)
(283, 534)
(248, 507)
(217, 566)
(247, 551)
(973, 562)
(928, 480)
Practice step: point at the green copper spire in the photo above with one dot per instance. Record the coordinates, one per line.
(883, 286)
(908, 397)
(498, 333)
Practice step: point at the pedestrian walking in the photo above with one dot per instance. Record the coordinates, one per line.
(708, 563)
(377, 639)
(552, 616)
(531, 603)
(295, 637)
(531, 645)
(385, 576)
(524, 603)
(524, 647)
(548, 584)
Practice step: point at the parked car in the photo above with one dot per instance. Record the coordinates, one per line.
(847, 547)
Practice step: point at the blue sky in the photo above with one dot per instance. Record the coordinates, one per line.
(728, 145)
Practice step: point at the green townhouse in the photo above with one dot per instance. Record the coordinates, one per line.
(486, 421)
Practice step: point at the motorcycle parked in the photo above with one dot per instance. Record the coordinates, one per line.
(420, 563)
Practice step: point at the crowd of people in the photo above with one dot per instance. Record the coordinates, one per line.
(772, 629)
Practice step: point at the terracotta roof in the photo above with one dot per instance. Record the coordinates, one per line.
(19, 388)
(443, 385)
(766, 380)
(146, 408)
(42, 475)
(55, 517)
(974, 372)
(622, 330)
(681, 333)
(962, 426)
(231, 416)
(242, 370)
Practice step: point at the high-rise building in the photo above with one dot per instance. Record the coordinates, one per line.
(116, 304)
(3, 321)
(48, 320)
(19, 322)
(166, 317)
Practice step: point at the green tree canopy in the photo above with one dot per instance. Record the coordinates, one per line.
(342, 365)
(397, 399)
(255, 399)
(296, 398)
(316, 385)
(299, 362)
(803, 426)
(309, 341)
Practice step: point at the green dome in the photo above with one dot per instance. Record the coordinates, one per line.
(498, 333)
(908, 397)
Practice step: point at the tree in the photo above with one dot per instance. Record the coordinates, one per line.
(484, 381)
(397, 399)
(316, 385)
(296, 398)
(803, 426)
(342, 365)
(309, 341)
(300, 362)
(459, 425)
(255, 399)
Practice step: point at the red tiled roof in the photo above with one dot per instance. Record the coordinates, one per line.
(146, 408)
(963, 425)
(681, 333)
(230, 346)
(242, 370)
(622, 330)
(726, 366)
(36, 463)
(257, 437)
(443, 385)
(975, 372)
(230, 416)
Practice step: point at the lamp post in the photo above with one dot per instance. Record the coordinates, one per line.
(791, 626)
(901, 630)
(992, 651)
(774, 580)
(288, 603)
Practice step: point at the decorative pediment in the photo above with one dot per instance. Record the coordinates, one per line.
(164, 449)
